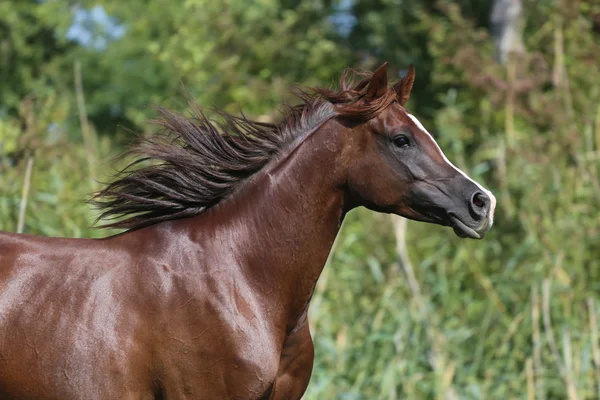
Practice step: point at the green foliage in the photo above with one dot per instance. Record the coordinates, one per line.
(61, 179)
(230, 54)
(32, 57)
(512, 316)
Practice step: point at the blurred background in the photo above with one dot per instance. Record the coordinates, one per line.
(404, 310)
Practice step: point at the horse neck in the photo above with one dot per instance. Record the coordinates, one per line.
(283, 222)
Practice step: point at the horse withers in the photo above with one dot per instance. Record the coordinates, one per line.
(206, 294)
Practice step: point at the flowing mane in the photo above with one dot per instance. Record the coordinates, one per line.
(195, 163)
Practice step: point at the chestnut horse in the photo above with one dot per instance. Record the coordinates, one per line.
(205, 296)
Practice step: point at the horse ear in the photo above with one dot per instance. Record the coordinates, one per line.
(379, 82)
(404, 86)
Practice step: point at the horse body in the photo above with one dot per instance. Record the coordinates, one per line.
(58, 317)
(213, 306)
(193, 308)
(96, 328)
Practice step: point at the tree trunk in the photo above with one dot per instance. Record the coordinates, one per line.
(506, 28)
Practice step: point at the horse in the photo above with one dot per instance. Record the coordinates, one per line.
(228, 224)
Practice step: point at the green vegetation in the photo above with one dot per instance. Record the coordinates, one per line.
(512, 316)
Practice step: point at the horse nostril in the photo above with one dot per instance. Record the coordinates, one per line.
(479, 200)
(480, 206)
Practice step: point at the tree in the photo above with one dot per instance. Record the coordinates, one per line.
(33, 58)
(230, 54)
(506, 27)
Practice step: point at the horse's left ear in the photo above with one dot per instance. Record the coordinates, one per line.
(404, 86)
(379, 82)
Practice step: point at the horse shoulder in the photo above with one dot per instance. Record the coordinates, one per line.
(210, 329)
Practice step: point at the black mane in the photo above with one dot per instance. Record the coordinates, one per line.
(195, 163)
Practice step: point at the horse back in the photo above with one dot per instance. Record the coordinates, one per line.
(67, 319)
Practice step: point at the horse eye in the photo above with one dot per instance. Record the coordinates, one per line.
(401, 141)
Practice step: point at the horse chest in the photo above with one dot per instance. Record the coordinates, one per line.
(220, 355)
(221, 372)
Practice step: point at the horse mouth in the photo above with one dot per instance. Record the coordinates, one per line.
(463, 230)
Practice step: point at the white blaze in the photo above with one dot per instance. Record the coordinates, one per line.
(487, 192)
